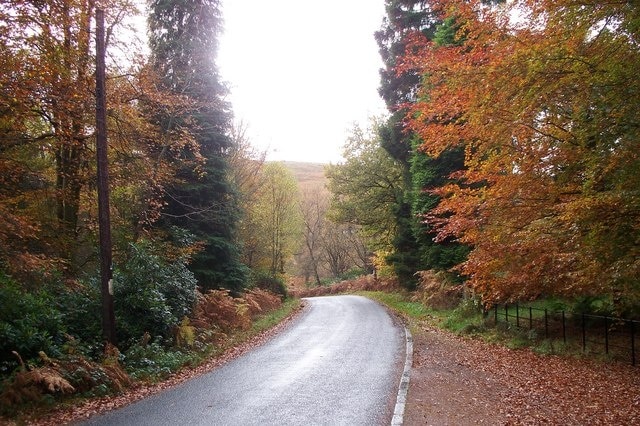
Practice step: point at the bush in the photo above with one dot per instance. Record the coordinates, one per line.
(437, 290)
(593, 305)
(81, 310)
(153, 361)
(150, 294)
(352, 274)
(265, 281)
(29, 323)
(260, 301)
(216, 309)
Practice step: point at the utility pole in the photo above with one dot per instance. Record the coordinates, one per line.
(104, 222)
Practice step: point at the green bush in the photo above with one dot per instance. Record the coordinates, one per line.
(81, 310)
(153, 361)
(593, 305)
(150, 294)
(266, 281)
(29, 322)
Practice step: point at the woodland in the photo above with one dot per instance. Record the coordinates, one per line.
(507, 168)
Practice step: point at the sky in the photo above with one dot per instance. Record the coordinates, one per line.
(301, 72)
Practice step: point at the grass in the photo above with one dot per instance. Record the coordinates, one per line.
(400, 303)
(467, 319)
(536, 312)
(464, 319)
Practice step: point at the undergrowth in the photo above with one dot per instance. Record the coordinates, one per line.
(468, 319)
(218, 323)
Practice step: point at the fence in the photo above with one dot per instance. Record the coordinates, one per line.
(599, 334)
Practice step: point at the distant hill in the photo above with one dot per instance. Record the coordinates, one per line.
(307, 174)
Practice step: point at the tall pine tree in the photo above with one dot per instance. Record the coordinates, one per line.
(183, 36)
(414, 246)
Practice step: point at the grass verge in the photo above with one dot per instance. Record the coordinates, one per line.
(466, 319)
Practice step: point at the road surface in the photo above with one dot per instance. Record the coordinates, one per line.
(339, 363)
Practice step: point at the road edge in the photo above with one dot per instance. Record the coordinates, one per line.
(403, 388)
(76, 414)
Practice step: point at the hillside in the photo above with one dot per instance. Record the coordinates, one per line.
(307, 174)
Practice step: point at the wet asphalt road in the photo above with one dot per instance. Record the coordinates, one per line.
(338, 363)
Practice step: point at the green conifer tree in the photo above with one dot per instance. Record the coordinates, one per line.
(183, 36)
(414, 244)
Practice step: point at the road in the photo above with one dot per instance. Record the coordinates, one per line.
(338, 363)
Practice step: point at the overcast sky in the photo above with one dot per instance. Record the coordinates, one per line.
(301, 72)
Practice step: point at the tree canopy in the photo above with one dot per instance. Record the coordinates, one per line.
(543, 99)
(366, 187)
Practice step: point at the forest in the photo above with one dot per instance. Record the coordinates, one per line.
(507, 167)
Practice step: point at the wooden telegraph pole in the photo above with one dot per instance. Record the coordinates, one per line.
(108, 317)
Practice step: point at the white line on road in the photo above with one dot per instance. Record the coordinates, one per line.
(403, 388)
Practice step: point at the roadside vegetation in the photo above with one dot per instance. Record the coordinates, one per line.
(68, 374)
(453, 312)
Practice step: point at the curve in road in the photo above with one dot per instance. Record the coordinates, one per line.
(339, 363)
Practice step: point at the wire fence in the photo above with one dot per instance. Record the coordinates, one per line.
(597, 334)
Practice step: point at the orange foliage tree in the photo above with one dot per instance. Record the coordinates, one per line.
(544, 99)
(47, 115)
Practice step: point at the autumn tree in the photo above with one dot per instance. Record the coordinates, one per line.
(274, 219)
(342, 250)
(414, 245)
(330, 249)
(314, 205)
(48, 190)
(366, 187)
(183, 37)
(246, 165)
(544, 107)
(47, 130)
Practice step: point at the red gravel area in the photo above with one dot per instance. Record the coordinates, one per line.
(463, 381)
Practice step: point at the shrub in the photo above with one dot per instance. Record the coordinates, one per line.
(352, 274)
(437, 290)
(593, 305)
(217, 309)
(363, 283)
(81, 310)
(260, 301)
(273, 284)
(29, 323)
(383, 268)
(150, 294)
(153, 361)
(70, 375)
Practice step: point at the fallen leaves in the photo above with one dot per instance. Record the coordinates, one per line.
(459, 380)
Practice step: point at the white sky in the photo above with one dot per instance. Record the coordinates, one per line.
(301, 72)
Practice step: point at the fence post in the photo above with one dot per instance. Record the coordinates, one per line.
(546, 324)
(506, 312)
(517, 316)
(606, 335)
(633, 343)
(584, 335)
(530, 318)
(564, 328)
